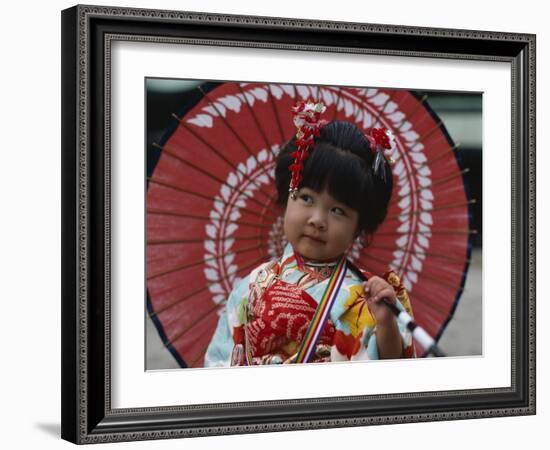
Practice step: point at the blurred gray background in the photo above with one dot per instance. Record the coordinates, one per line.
(462, 115)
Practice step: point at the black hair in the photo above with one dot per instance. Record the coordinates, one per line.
(341, 162)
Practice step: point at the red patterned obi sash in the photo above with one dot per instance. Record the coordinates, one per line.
(278, 320)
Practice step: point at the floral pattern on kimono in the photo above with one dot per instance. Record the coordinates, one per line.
(269, 311)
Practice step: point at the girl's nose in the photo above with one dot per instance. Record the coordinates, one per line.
(317, 219)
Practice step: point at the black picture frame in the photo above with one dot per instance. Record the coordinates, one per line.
(87, 33)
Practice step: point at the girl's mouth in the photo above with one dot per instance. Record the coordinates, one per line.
(312, 238)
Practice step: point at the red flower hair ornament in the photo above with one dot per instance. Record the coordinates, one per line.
(381, 141)
(308, 122)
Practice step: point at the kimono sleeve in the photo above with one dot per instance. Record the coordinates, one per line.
(229, 329)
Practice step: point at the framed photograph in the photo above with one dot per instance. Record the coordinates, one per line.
(174, 125)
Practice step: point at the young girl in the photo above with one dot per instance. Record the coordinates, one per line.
(314, 305)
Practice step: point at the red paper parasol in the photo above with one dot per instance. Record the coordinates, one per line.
(211, 213)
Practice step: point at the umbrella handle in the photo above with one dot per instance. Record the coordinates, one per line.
(417, 331)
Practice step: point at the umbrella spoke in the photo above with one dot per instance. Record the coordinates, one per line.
(196, 263)
(208, 174)
(180, 189)
(196, 322)
(428, 133)
(319, 96)
(196, 241)
(437, 158)
(431, 161)
(430, 232)
(207, 285)
(276, 115)
(444, 180)
(223, 158)
(417, 252)
(338, 97)
(422, 138)
(197, 194)
(424, 275)
(255, 119)
(439, 208)
(408, 116)
(381, 109)
(386, 263)
(204, 218)
(260, 244)
(234, 132)
(202, 352)
(266, 212)
(436, 182)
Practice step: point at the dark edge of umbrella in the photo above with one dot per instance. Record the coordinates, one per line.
(467, 191)
(162, 334)
(189, 99)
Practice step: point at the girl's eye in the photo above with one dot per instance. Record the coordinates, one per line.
(339, 211)
(306, 198)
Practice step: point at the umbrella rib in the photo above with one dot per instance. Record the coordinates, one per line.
(258, 126)
(234, 132)
(276, 113)
(205, 287)
(435, 280)
(392, 233)
(206, 197)
(192, 325)
(220, 155)
(194, 264)
(434, 254)
(202, 353)
(437, 157)
(412, 113)
(383, 261)
(429, 132)
(270, 213)
(381, 110)
(295, 92)
(439, 208)
(207, 174)
(437, 182)
(195, 241)
(397, 105)
(443, 180)
(421, 139)
(206, 218)
(180, 189)
(318, 99)
(338, 97)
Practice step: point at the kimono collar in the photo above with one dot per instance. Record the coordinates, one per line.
(291, 257)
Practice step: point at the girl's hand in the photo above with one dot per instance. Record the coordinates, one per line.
(376, 289)
(388, 337)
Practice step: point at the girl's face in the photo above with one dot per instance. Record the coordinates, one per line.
(318, 226)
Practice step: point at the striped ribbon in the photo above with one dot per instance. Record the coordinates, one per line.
(321, 313)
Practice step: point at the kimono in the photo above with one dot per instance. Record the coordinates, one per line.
(268, 313)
